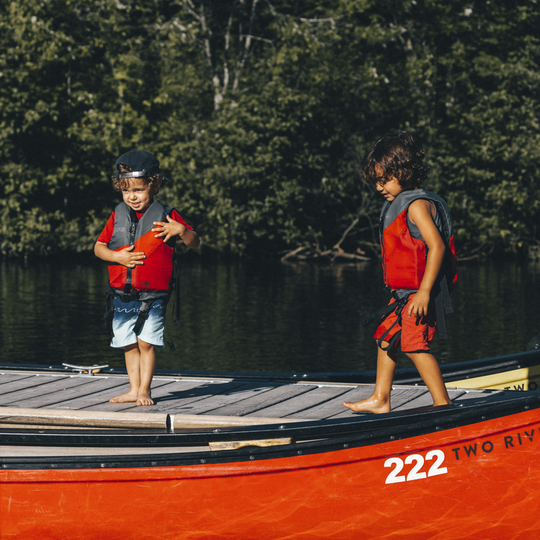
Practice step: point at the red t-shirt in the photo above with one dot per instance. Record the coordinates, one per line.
(107, 232)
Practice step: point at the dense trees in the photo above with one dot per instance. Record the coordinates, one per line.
(261, 112)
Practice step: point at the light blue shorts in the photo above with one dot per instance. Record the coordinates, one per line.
(125, 317)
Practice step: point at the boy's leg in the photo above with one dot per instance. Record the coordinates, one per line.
(140, 365)
(429, 370)
(379, 401)
(146, 372)
(132, 355)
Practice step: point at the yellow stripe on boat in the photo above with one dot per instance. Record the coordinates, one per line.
(517, 379)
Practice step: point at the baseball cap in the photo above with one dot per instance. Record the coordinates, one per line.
(141, 164)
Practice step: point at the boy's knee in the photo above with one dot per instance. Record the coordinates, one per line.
(143, 346)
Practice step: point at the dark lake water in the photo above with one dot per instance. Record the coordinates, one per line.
(259, 316)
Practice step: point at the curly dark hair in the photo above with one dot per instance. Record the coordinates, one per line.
(120, 183)
(396, 155)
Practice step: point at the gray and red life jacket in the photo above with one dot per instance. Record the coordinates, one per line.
(404, 252)
(156, 272)
(404, 256)
(153, 280)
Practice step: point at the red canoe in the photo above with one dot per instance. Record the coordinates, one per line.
(469, 470)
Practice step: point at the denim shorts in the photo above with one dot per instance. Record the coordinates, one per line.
(125, 317)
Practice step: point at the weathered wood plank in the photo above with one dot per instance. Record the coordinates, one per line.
(466, 393)
(334, 407)
(297, 406)
(104, 405)
(207, 397)
(235, 445)
(46, 387)
(6, 378)
(98, 399)
(208, 421)
(22, 383)
(401, 398)
(94, 419)
(185, 394)
(411, 399)
(55, 451)
(260, 402)
(89, 388)
(170, 395)
(215, 402)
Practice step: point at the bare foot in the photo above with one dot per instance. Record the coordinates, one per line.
(144, 399)
(371, 404)
(124, 398)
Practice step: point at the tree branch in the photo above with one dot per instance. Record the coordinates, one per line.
(240, 67)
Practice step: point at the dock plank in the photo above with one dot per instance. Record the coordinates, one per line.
(56, 451)
(6, 378)
(104, 395)
(62, 399)
(23, 382)
(46, 387)
(298, 407)
(254, 404)
(467, 393)
(102, 403)
(213, 402)
(334, 407)
(171, 396)
(411, 399)
(400, 397)
(184, 396)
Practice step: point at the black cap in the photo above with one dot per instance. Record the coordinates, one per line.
(141, 164)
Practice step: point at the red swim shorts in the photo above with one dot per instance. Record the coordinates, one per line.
(416, 332)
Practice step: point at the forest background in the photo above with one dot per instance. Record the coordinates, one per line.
(261, 112)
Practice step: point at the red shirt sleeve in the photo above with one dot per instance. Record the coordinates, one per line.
(107, 232)
(177, 217)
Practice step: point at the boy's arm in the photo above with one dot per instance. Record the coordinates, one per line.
(420, 212)
(125, 256)
(174, 228)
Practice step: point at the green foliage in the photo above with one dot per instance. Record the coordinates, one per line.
(261, 113)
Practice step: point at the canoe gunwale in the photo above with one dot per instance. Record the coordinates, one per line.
(308, 438)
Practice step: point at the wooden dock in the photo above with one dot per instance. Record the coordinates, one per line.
(224, 397)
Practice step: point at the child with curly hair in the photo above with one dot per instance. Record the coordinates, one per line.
(138, 243)
(419, 267)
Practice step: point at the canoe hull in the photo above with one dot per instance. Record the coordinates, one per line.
(480, 480)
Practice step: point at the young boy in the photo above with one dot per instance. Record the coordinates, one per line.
(138, 243)
(419, 263)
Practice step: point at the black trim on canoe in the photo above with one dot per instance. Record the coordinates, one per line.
(451, 372)
(308, 437)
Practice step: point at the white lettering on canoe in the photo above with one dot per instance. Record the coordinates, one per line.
(416, 472)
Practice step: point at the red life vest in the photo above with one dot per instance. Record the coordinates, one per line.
(156, 272)
(404, 252)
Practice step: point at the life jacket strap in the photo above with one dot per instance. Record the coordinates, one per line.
(443, 305)
(401, 298)
(109, 314)
(146, 298)
(144, 312)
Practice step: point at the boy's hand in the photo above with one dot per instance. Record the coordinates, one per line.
(130, 259)
(168, 229)
(418, 306)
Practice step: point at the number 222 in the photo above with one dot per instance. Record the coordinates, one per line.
(415, 473)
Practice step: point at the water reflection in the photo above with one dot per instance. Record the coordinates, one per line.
(258, 316)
